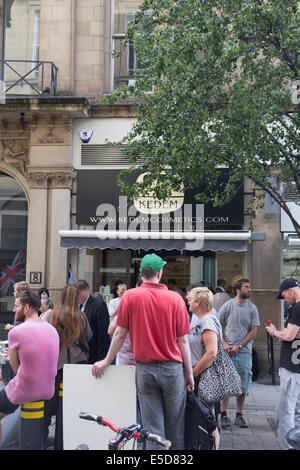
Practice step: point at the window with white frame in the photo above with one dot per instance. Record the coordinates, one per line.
(123, 66)
(21, 44)
(36, 40)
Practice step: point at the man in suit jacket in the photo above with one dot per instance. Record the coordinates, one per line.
(97, 313)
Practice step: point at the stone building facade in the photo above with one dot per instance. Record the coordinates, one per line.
(40, 150)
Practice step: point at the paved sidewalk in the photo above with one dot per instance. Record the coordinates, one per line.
(259, 414)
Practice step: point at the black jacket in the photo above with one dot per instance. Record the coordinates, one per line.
(98, 317)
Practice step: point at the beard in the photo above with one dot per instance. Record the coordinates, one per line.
(245, 296)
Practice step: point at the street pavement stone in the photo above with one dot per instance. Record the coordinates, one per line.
(258, 412)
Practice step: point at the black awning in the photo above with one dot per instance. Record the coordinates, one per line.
(85, 241)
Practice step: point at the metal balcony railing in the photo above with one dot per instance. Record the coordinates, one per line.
(40, 79)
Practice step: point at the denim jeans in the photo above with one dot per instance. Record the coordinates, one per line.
(162, 397)
(243, 364)
(287, 414)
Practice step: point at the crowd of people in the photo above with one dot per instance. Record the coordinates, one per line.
(44, 337)
(170, 337)
(156, 315)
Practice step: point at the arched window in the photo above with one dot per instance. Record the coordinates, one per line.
(13, 242)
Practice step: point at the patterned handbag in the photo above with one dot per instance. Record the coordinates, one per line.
(221, 379)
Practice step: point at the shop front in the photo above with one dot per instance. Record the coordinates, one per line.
(200, 243)
(109, 267)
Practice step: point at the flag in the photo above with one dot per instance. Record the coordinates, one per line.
(12, 273)
(70, 275)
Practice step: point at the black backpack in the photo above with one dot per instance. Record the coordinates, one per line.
(199, 424)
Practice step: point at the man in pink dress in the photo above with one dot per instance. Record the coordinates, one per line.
(33, 348)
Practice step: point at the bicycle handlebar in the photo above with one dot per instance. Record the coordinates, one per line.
(131, 432)
(90, 417)
(158, 439)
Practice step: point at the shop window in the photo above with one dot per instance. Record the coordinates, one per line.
(104, 269)
(13, 242)
(209, 271)
(177, 272)
(107, 268)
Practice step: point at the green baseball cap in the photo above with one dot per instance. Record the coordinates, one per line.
(153, 262)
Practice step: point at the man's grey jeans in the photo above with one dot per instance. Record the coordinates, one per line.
(162, 397)
(288, 408)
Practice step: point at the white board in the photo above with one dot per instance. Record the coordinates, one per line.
(113, 396)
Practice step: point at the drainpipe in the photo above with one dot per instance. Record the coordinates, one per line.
(73, 45)
(47, 236)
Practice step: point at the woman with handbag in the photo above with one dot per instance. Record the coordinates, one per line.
(203, 338)
(215, 375)
(74, 334)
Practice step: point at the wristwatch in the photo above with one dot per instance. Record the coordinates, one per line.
(241, 346)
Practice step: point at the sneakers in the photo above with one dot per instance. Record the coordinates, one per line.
(239, 421)
(225, 422)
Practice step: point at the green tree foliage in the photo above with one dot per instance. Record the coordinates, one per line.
(221, 74)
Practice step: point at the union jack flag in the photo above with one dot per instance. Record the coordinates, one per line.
(13, 273)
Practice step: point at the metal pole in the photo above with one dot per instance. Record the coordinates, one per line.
(31, 426)
(59, 441)
(272, 368)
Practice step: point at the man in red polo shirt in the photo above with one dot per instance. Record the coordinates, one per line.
(158, 324)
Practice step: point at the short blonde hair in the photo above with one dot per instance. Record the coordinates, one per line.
(22, 285)
(204, 296)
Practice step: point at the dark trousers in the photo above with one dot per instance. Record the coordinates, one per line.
(50, 407)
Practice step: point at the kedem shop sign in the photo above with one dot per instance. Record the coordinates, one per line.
(100, 203)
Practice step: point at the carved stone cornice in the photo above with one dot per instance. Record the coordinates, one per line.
(59, 178)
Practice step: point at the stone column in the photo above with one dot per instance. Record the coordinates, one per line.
(49, 212)
(50, 176)
(265, 278)
(37, 227)
(59, 215)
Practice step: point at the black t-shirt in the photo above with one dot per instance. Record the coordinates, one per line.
(290, 350)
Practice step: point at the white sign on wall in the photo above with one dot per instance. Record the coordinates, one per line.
(113, 396)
